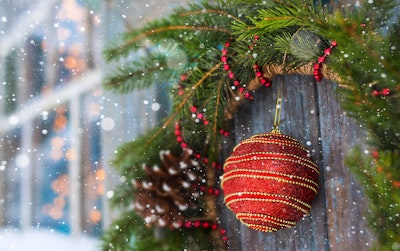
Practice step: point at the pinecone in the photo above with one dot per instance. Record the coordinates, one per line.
(165, 194)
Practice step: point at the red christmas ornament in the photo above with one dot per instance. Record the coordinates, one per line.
(269, 181)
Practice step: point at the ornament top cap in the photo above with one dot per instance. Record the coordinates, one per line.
(276, 131)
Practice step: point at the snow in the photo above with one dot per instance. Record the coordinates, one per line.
(45, 240)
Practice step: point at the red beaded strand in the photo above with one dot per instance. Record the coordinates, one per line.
(206, 225)
(381, 93)
(236, 83)
(318, 66)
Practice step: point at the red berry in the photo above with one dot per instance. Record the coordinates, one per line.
(321, 59)
(334, 43)
(256, 37)
(227, 44)
(317, 66)
(236, 83)
(375, 93)
(224, 59)
(375, 154)
(385, 92)
(226, 67)
(258, 74)
(327, 51)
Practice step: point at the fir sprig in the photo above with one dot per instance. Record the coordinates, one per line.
(380, 179)
(270, 33)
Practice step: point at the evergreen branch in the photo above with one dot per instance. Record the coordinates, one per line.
(221, 12)
(221, 83)
(170, 28)
(185, 100)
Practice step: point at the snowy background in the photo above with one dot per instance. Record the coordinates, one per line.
(42, 240)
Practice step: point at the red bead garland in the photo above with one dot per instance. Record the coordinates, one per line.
(381, 93)
(206, 225)
(318, 66)
(263, 81)
(236, 84)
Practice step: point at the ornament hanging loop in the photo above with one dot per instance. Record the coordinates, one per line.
(278, 108)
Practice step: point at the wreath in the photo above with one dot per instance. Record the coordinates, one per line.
(212, 56)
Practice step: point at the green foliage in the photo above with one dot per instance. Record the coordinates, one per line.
(129, 233)
(185, 48)
(380, 178)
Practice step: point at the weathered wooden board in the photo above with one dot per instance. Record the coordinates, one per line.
(312, 115)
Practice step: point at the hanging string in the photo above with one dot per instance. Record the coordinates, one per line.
(278, 106)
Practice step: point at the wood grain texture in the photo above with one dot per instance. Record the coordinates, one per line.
(312, 115)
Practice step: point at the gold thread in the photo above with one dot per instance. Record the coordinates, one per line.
(277, 220)
(244, 218)
(298, 161)
(229, 173)
(268, 178)
(266, 200)
(268, 194)
(272, 141)
(261, 227)
(252, 154)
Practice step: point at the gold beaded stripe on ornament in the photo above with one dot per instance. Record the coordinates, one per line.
(271, 141)
(250, 157)
(256, 156)
(261, 227)
(273, 134)
(269, 194)
(274, 173)
(264, 174)
(279, 222)
(229, 201)
(267, 136)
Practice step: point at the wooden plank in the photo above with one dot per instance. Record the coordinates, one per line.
(345, 202)
(312, 115)
(299, 119)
